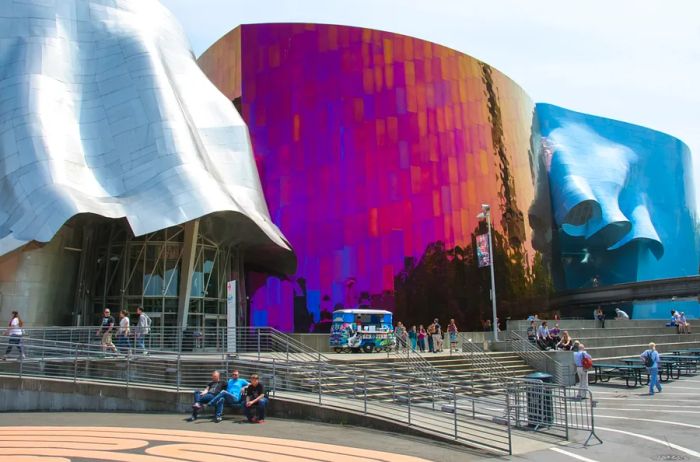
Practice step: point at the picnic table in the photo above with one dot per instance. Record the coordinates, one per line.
(689, 362)
(666, 366)
(688, 351)
(603, 372)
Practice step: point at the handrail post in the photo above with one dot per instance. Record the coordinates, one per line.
(566, 411)
(128, 370)
(319, 383)
(510, 444)
(75, 366)
(258, 343)
(409, 403)
(177, 376)
(454, 403)
(274, 377)
(365, 389)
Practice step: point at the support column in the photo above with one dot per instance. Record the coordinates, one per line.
(189, 254)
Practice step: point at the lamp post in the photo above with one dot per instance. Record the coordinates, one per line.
(486, 213)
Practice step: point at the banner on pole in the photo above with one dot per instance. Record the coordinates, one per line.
(482, 250)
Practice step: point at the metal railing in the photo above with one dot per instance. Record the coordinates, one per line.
(551, 408)
(288, 367)
(394, 395)
(538, 359)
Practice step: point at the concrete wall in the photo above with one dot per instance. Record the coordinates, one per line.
(39, 394)
(39, 282)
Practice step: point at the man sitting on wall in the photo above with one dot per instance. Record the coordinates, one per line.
(255, 400)
(205, 396)
(231, 396)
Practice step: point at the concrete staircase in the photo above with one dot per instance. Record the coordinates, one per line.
(621, 339)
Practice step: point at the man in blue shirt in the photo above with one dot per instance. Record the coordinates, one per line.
(231, 396)
(582, 392)
(651, 359)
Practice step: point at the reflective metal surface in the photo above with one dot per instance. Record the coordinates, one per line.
(623, 202)
(376, 152)
(103, 110)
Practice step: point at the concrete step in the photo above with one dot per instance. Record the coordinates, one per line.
(522, 325)
(624, 340)
(636, 349)
(614, 332)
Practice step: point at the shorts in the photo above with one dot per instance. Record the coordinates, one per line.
(107, 338)
(453, 337)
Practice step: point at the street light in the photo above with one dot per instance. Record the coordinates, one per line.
(486, 214)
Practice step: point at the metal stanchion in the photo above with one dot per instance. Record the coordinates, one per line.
(365, 390)
(454, 403)
(319, 383)
(409, 403)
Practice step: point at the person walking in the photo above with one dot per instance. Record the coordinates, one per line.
(651, 359)
(14, 330)
(143, 328)
(105, 331)
(452, 333)
(583, 363)
(123, 343)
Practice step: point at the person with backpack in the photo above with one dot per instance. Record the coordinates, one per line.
(651, 359)
(584, 363)
(15, 331)
(143, 328)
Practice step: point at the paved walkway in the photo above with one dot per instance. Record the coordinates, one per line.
(633, 426)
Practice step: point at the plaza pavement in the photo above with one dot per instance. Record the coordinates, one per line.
(633, 426)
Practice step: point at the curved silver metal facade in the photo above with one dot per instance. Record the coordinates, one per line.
(104, 110)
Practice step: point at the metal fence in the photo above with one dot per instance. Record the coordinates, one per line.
(482, 418)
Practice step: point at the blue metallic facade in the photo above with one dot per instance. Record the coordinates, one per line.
(622, 201)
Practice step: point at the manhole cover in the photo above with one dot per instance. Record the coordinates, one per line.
(670, 457)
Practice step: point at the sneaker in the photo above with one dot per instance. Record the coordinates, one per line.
(197, 406)
(254, 420)
(218, 419)
(191, 418)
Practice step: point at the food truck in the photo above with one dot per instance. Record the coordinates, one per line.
(363, 330)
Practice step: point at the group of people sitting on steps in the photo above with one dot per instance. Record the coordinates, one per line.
(550, 339)
(236, 393)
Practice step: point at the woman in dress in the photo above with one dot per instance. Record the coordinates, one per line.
(14, 330)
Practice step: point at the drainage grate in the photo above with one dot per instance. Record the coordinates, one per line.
(670, 457)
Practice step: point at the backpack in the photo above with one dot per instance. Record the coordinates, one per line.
(648, 360)
(586, 362)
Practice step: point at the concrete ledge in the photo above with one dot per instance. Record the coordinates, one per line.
(41, 394)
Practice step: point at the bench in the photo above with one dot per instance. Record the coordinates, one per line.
(603, 372)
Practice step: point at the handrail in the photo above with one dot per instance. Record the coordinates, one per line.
(538, 359)
(485, 363)
(397, 396)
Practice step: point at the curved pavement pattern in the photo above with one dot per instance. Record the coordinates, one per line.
(54, 444)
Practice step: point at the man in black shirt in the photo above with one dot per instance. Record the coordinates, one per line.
(203, 397)
(255, 399)
(105, 331)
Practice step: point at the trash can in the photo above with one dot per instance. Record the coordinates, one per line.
(540, 405)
